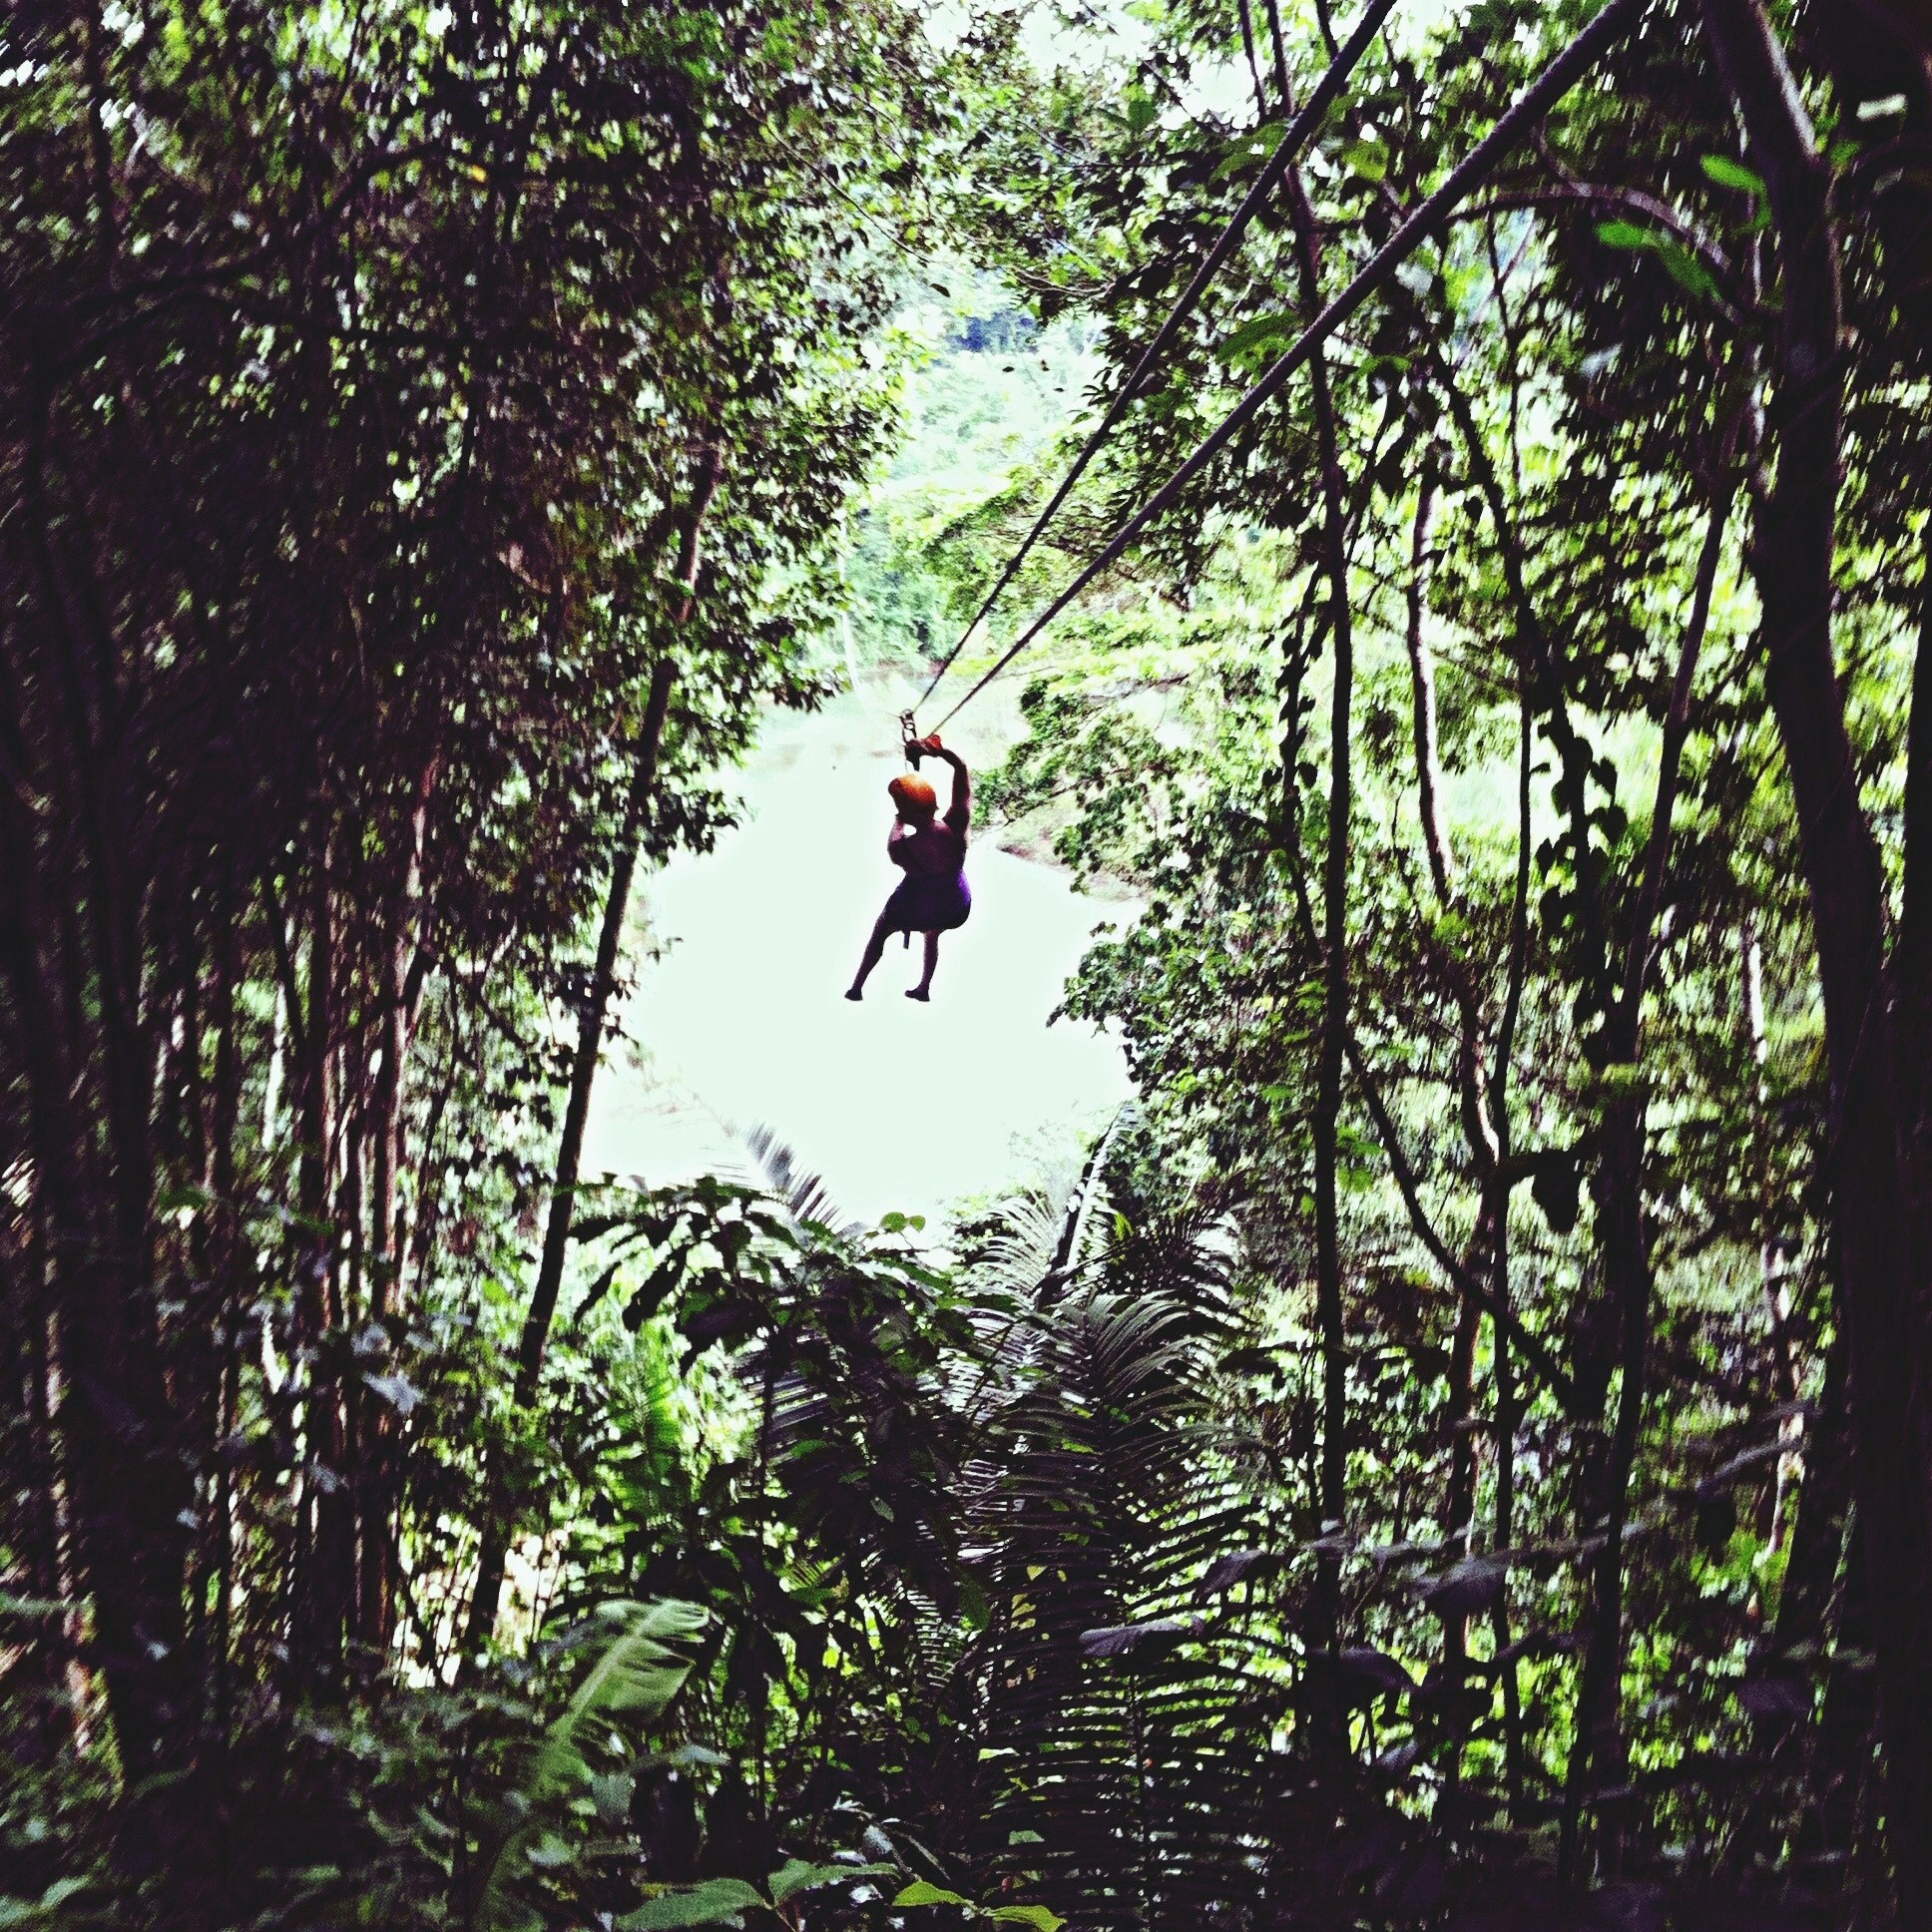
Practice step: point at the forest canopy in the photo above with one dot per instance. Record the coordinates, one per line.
(1445, 490)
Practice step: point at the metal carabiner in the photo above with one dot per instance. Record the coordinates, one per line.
(909, 737)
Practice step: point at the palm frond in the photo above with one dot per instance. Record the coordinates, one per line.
(633, 1676)
(803, 1194)
(1126, 1739)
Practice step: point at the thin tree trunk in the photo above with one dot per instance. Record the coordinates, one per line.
(122, 1479)
(1508, 1412)
(1622, 1237)
(1254, 66)
(217, 1252)
(376, 1422)
(495, 1528)
(1823, 1598)
(1279, 48)
(1771, 1280)
(1597, 1746)
(1326, 1124)
(317, 1038)
(95, 1172)
(1422, 683)
(494, 1541)
(1459, 1501)
(1501, 1144)
(327, 1528)
(384, 1238)
(44, 1735)
(1825, 1499)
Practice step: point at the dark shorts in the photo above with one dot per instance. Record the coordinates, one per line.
(928, 905)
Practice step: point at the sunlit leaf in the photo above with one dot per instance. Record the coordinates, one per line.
(796, 1875)
(919, 1892)
(1727, 173)
(719, 1901)
(1256, 334)
(1625, 235)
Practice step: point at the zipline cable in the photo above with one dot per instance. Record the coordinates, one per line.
(1528, 107)
(1311, 117)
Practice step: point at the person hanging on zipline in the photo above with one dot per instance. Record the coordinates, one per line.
(932, 897)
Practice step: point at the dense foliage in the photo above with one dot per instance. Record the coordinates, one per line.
(424, 432)
(1456, 1452)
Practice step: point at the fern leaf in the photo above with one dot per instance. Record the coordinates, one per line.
(635, 1674)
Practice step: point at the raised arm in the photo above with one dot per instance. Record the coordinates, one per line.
(959, 815)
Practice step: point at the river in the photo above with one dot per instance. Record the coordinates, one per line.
(739, 958)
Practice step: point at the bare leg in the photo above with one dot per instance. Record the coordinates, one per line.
(923, 991)
(874, 951)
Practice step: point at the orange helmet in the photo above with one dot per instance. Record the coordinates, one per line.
(914, 797)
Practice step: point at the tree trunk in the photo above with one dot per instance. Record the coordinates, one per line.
(377, 1478)
(1880, 1242)
(500, 1509)
(1596, 1747)
(124, 1482)
(1326, 1609)
(1422, 681)
(1492, 1141)
(326, 1557)
(44, 1730)
(1622, 1237)
(497, 1512)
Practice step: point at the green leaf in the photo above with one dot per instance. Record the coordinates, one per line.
(1732, 174)
(1260, 141)
(612, 1796)
(973, 1606)
(1685, 269)
(796, 1875)
(1681, 263)
(1036, 1916)
(719, 1901)
(1368, 158)
(634, 1673)
(920, 1893)
(1259, 329)
(1625, 235)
